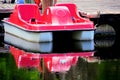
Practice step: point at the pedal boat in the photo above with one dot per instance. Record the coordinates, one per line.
(27, 22)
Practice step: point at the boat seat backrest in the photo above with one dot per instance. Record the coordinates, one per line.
(58, 15)
(28, 12)
(72, 8)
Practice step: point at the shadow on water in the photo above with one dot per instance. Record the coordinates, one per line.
(107, 49)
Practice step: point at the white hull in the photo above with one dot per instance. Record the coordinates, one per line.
(83, 35)
(43, 47)
(87, 45)
(28, 35)
(45, 36)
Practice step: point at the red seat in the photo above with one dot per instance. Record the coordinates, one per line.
(71, 6)
(57, 15)
(28, 11)
(73, 10)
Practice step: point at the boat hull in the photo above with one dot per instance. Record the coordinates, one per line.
(45, 47)
(45, 36)
(83, 35)
(31, 36)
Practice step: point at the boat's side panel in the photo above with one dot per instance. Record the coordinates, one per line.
(45, 36)
(26, 45)
(83, 35)
(84, 45)
(28, 35)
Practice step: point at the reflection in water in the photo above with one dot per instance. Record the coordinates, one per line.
(80, 70)
(104, 43)
(84, 45)
(53, 62)
(66, 66)
(28, 46)
(47, 47)
(107, 47)
(105, 36)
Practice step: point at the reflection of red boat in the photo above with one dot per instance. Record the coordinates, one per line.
(53, 62)
(25, 60)
(60, 63)
(28, 23)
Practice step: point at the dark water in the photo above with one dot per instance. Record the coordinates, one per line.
(63, 60)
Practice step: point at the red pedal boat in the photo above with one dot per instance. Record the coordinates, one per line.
(54, 62)
(28, 23)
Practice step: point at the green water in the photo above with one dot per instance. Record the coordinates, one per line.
(100, 70)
